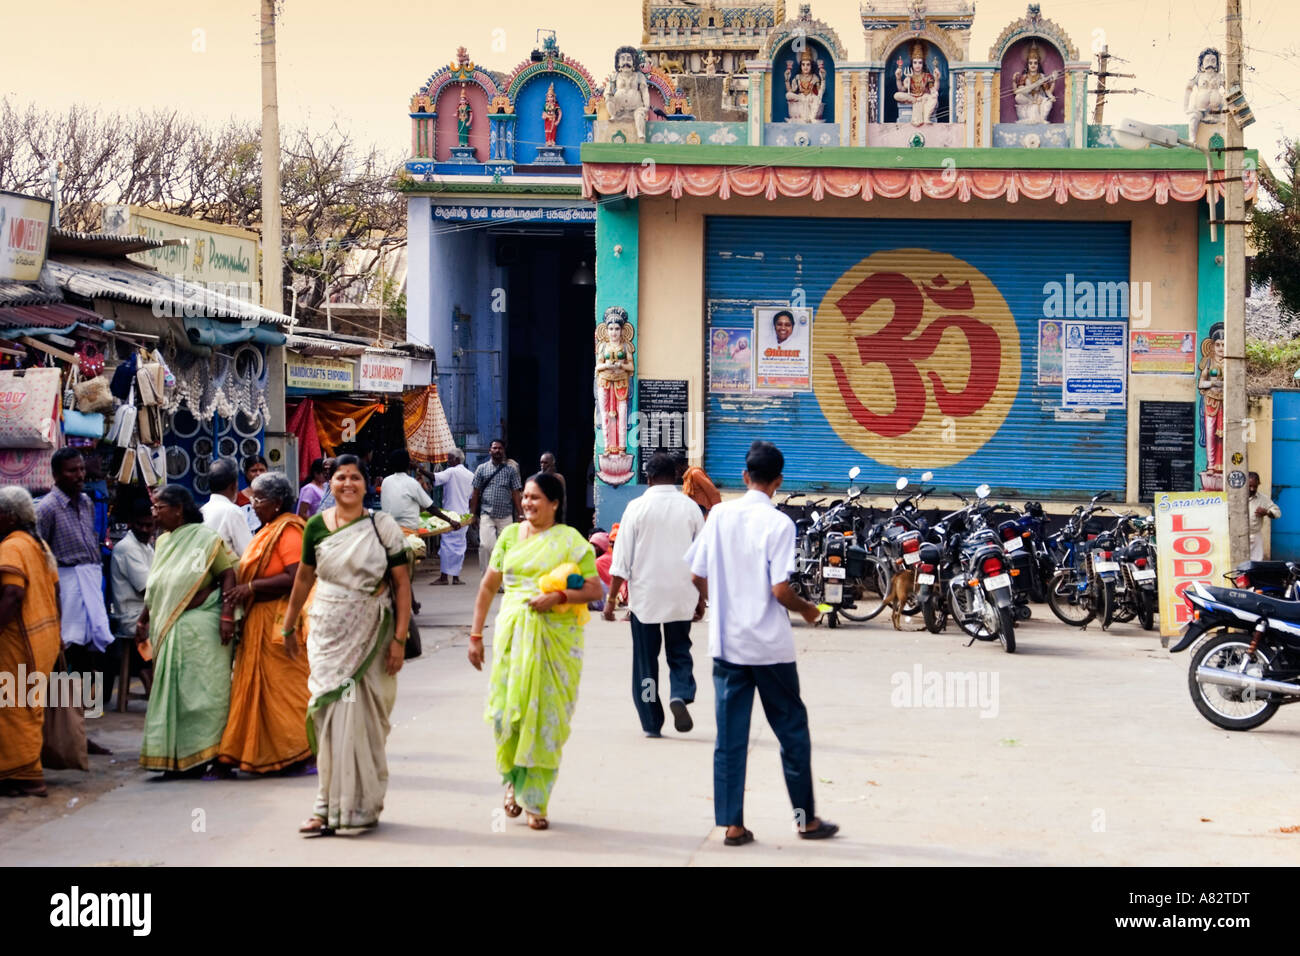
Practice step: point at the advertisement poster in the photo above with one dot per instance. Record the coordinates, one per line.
(1162, 353)
(1094, 365)
(731, 359)
(1192, 545)
(24, 236)
(783, 360)
(1049, 351)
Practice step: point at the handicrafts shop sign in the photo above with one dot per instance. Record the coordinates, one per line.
(309, 371)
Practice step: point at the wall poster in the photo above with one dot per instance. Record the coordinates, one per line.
(731, 359)
(1162, 353)
(1094, 365)
(783, 359)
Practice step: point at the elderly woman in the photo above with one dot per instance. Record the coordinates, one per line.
(356, 560)
(29, 640)
(267, 727)
(188, 638)
(534, 684)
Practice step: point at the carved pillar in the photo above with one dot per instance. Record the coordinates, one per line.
(503, 136)
(987, 109)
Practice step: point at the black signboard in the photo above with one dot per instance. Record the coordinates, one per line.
(1166, 448)
(664, 416)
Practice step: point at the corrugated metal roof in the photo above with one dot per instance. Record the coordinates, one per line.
(169, 296)
(59, 315)
(309, 345)
(102, 243)
(23, 293)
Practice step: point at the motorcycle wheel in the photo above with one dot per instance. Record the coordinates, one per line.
(871, 589)
(1041, 573)
(935, 612)
(1229, 707)
(963, 612)
(1146, 610)
(1066, 602)
(1106, 607)
(1006, 630)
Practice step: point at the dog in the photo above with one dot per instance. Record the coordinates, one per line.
(900, 589)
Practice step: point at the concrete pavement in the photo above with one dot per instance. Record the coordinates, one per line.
(1089, 752)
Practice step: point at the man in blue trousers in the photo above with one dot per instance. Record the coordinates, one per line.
(743, 559)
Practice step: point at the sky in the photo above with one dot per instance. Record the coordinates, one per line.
(357, 64)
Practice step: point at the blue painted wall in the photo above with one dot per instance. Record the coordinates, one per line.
(1285, 540)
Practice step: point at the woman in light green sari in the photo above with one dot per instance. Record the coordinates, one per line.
(354, 647)
(187, 637)
(538, 641)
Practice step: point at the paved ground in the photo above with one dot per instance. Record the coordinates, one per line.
(1091, 753)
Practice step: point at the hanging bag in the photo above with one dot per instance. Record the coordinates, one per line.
(29, 407)
(64, 747)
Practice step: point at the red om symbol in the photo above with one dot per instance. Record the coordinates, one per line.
(892, 348)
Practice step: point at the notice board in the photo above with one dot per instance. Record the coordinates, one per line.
(1166, 448)
(663, 416)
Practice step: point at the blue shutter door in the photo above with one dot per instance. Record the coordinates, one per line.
(924, 351)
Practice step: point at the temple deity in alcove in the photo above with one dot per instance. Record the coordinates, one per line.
(464, 116)
(1035, 91)
(916, 87)
(805, 89)
(551, 116)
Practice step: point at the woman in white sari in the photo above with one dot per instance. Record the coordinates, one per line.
(354, 647)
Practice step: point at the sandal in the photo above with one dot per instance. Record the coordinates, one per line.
(746, 836)
(825, 830)
(537, 823)
(512, 809)
(315, 826)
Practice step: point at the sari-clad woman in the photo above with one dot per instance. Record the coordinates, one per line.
(189, 638)
(534, 682)
(354, 647)
(267, 727)
(29, 641)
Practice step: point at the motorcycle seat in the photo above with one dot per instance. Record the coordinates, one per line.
(1260, 604)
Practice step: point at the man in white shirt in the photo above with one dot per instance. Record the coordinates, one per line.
(128, 571)
(221, 514)
(745, 556)
(402, 496)
(457, 484)
(1259, 507)
(654, 535)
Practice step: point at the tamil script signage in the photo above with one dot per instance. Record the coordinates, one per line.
(220, 257)
(381, 373)
(1094, 364)
(324, 374)
(514, 213)
(24, 236)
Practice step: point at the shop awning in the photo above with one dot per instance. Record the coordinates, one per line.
(102, 244)
(167, 295)
(24, 293)
(55, 317)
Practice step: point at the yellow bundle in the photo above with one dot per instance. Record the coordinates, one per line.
(562, 578)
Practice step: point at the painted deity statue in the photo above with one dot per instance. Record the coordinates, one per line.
(615, 364)
(628, 93)
(1210, 384)
(464, 116)
(1035, 92)
(551, 116)
(916, 87)
(1204, 93)
(804, 91)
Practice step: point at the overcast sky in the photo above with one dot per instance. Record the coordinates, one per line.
(357, 64)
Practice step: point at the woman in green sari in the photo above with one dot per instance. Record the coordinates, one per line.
(354, 647)
(188, 638)
(538, 642)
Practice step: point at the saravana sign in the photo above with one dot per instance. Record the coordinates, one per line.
(309, 371)
(380, 373)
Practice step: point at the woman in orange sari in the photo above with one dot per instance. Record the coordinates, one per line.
(267, 727)
(29, 643)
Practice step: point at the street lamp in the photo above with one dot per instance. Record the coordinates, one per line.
(1134, 135)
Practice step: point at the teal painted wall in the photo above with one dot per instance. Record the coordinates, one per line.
(1209, 308)
(617, 283)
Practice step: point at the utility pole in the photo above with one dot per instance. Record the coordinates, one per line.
(1103, 74)
(1102, 60)
(272, 258)
(1235, 425)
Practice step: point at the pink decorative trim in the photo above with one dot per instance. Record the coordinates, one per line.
(658, 179)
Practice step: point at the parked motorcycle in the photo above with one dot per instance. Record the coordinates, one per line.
(1249, 665)
(828, 557)
(1083, 585)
